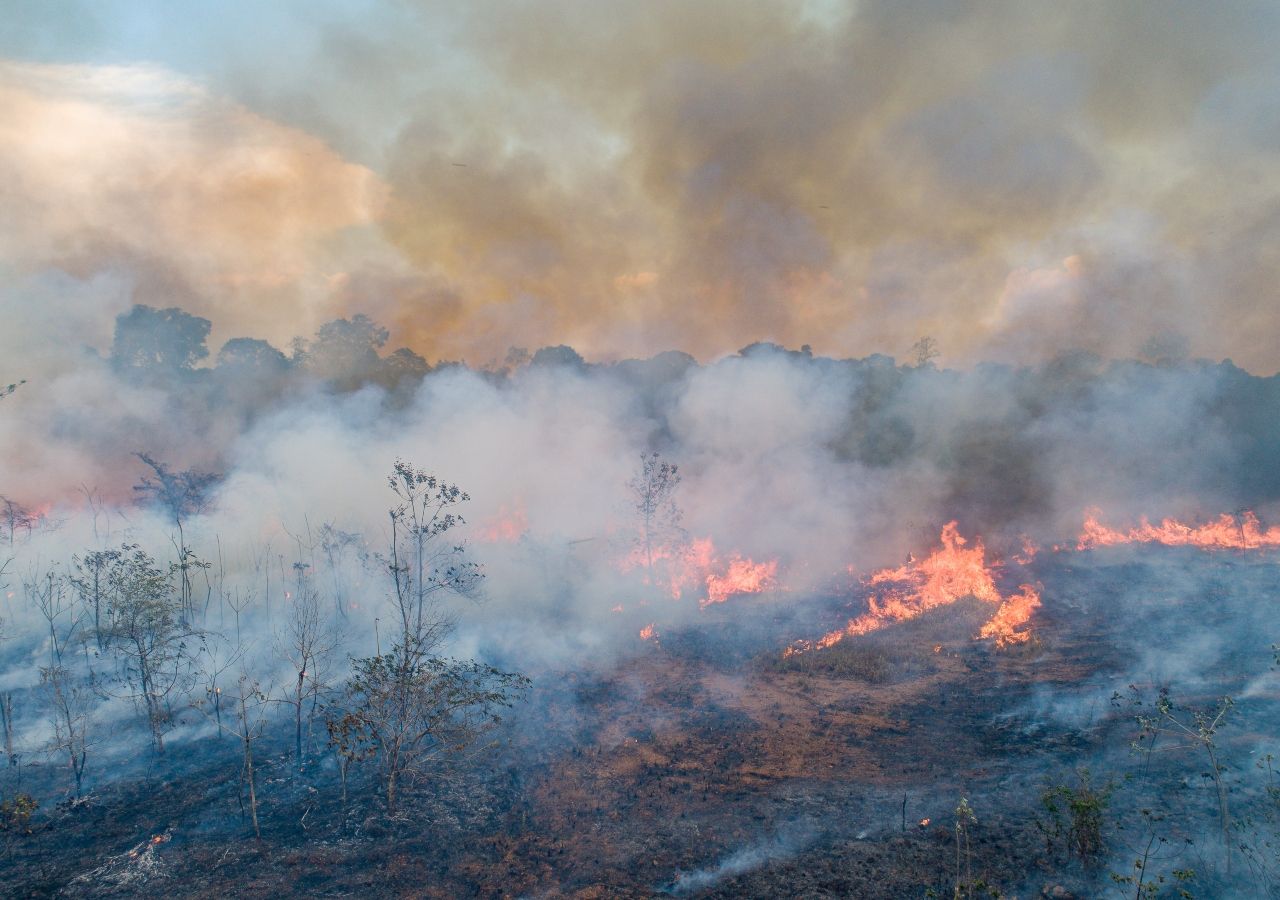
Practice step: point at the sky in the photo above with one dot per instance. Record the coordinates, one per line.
(1013, 179)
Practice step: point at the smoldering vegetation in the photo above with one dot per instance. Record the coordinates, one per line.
(267, 615)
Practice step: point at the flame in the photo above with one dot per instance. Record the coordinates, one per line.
(1029, 551)
(649, 632)
(1227, 532)
(924, 823)
(744, 576)
(1008, 625)
(948, 574)
(507, 527)
(697, 566)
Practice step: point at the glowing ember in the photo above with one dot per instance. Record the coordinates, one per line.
(924, 823)
(1227, 532)
(648, 632)
(945, 576)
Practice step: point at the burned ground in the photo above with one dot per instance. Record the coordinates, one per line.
(706, 764)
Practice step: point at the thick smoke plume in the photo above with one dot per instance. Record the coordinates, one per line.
(1010, 177)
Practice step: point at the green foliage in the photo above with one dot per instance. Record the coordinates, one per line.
(406, 710)
(1145, 877)
(966, 887)
(165, 339)
(144, 626)
(1189, 728)
(16, 813)
(1075, 816)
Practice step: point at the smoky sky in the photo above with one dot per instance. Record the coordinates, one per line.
(1013, 179)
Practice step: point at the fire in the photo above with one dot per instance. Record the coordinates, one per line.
(948, 574)
(649, 632)
(1227, 532)
(1029, 551)
(1008, 625)
(697, 566)
(924, 823)
(507, 527)
(744, 576)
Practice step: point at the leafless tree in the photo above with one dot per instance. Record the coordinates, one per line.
(307, 641)
(653, 497)
(70, 695)
(15, 517)
(180, 495)
(924, 352)
(424, 566)
(6, 698)
(334, 543)
(220, 656)
(250, 704)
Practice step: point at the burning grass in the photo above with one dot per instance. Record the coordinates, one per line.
(693, 764)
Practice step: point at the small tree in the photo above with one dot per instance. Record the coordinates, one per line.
(409, 707)
(307, 642)
(149, 637)
(652, 492)
(15, 517)
(1191, 729)
(250, 703)
(180, 495)
(424, 566)
(6, 721)
(91, 580)
(965, 820)
(70, 698)
(924, 352)
(1075, 815)
(334, 543)
(407, 710)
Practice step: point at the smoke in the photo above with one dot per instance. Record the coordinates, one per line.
(786, 843)
(1015, 179)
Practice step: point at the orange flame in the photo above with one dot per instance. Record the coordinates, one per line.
(1029, 551)
(1227, 532)
(744, 576)
(697, 565)
(945, 576)
(649, 632)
